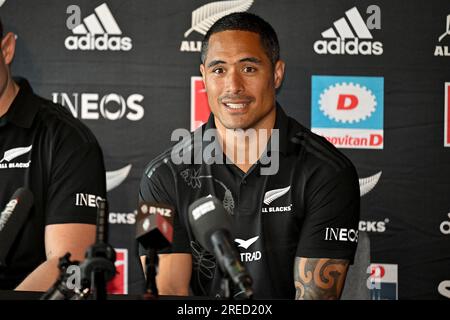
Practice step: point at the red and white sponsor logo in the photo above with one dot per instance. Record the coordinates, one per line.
(199, 103)
(384, 277)
(352, 138)
(119, 284)
(447, 115)
(347, 104)
(384, 272)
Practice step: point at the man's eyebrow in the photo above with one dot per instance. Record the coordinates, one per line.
(214, 63)
(248, 59)
(251, 59)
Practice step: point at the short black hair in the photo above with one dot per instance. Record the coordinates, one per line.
(245, 21)
(1, 29)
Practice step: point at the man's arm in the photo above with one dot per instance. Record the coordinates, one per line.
(59, 239)
(174, 274)
(319, 279)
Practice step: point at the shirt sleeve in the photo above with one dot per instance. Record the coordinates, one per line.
(77, 182)
(158, 185)
(330, 225)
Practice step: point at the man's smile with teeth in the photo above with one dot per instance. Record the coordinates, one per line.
(235, 105)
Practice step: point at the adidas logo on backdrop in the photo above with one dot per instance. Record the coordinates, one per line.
(351, 35)
(98, 31)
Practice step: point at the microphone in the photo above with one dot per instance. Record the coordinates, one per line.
(212, 226)
(154, 231)
(12, 219)
(154, 225)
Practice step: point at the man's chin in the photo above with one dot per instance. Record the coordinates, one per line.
(237, 126)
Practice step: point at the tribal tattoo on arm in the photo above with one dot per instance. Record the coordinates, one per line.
(319, 279)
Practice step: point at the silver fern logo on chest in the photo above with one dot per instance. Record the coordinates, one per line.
(273, 195)
(6, 161)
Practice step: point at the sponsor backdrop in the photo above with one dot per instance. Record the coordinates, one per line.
(371, 76)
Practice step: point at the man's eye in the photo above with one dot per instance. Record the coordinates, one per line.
(218, 70)
(249, 69)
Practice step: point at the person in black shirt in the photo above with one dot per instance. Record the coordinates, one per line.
(45, 150)
(295, 221)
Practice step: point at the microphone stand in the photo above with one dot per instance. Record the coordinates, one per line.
(225, 286)
(60, 290)
(150, 285)
(228, 290)
(228, 285)
(95, 271)
(98, 267)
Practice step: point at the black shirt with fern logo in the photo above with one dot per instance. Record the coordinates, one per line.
(309, 208)
(47, 151)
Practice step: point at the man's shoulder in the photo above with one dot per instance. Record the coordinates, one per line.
(316, 150)
(60, 122)
(171, 160)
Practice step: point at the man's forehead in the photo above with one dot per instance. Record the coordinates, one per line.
(235, 45)
(233, 37)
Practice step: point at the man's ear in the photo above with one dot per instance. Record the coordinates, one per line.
(8, 47)
(203, 72)
(278, 73)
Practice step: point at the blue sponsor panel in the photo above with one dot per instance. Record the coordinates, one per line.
(387, 291)
(383, 281)
(348, 110)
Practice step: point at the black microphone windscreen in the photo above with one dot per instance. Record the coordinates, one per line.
(12, 218)
(21, 201)
(207, 215)
(24, 197)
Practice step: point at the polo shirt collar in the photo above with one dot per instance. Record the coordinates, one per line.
(24, 107)
(281, 123)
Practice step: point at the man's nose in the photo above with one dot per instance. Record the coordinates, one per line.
(234, 82)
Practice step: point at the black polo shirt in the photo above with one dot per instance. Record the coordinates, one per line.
(310, 208)
(43, 148)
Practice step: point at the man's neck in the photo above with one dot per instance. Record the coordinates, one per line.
(245, 147)
(8, 96)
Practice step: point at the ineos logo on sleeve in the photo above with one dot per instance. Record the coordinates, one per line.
(341, 234)
(87, 200)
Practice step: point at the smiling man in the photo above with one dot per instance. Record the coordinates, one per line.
(296, 228)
